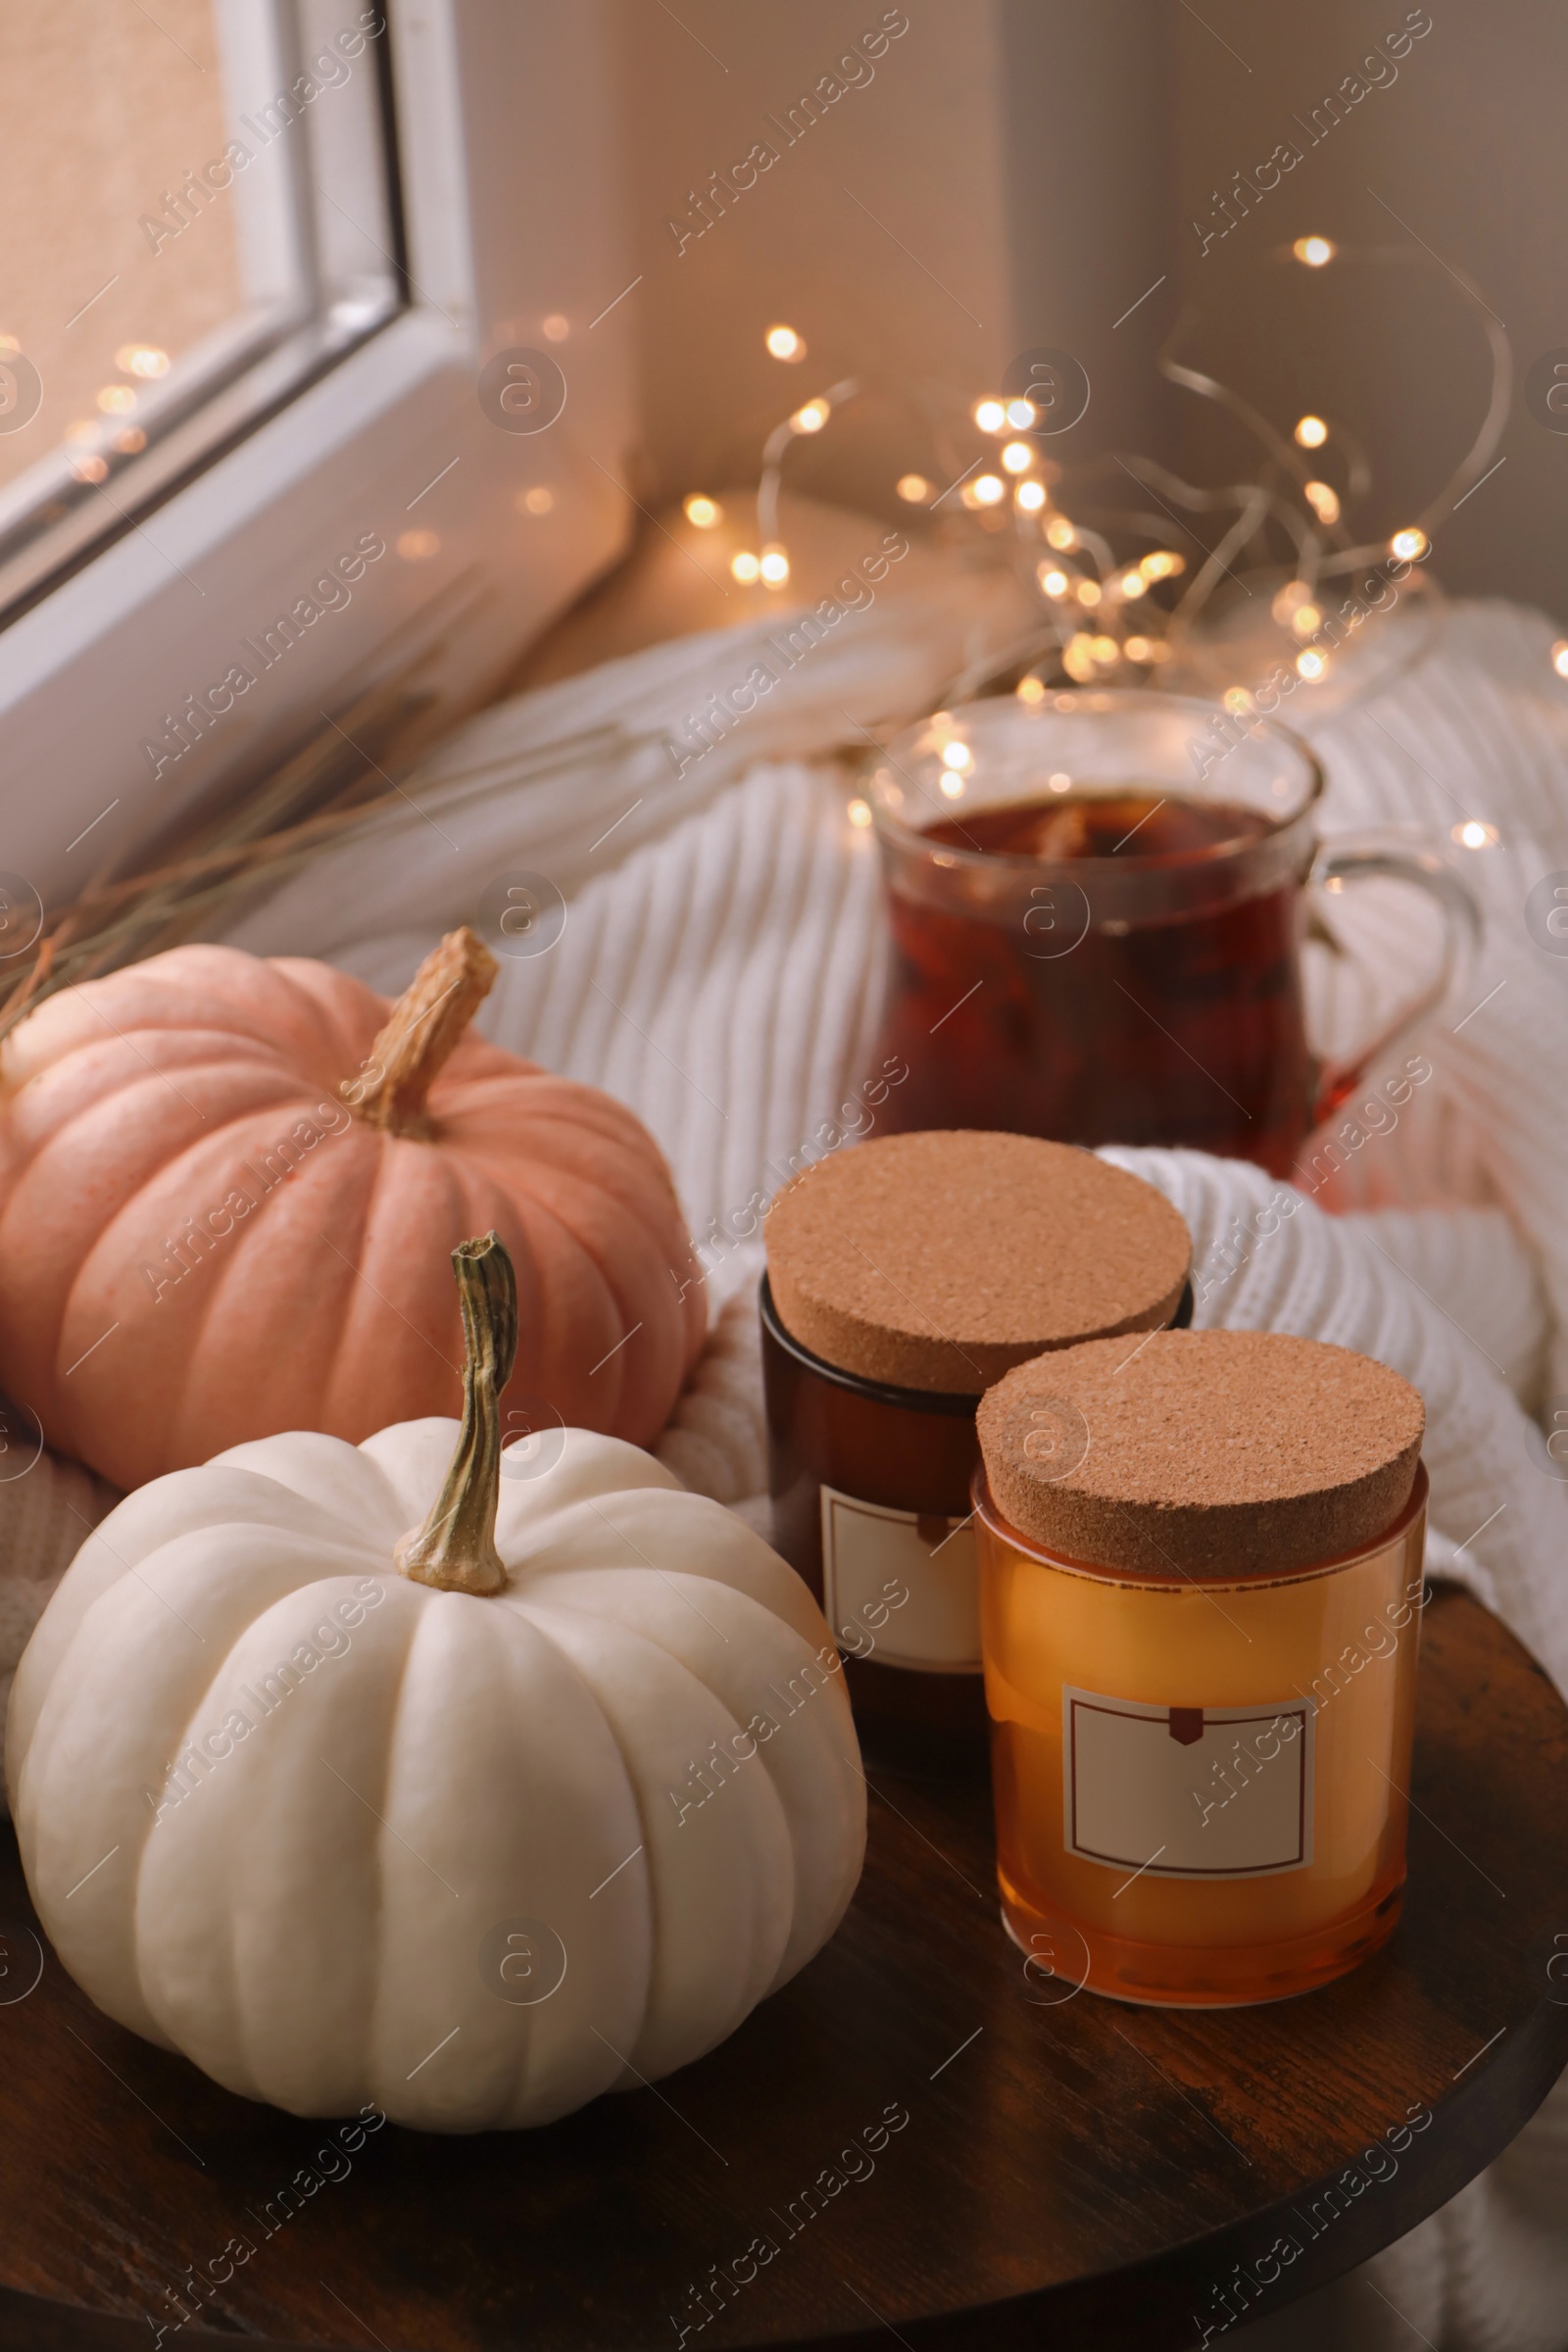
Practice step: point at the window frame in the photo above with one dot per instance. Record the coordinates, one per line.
(388, 439)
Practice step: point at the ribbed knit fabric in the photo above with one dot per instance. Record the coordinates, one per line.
(720, 970)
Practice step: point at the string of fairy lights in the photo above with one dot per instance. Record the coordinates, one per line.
(1113, 617)
(1072, 568)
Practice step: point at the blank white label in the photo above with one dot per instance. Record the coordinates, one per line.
(1187, 1793)
(871, 1554)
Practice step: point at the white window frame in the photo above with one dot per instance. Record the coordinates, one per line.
(505, 132)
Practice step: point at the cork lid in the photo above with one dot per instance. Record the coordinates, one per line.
(1211, 1453)
(941, 1260)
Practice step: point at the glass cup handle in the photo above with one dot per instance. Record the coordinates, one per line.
(1346, 862)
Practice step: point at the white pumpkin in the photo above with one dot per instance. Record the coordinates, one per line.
(343, 1836)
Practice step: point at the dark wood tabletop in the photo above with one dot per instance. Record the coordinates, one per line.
(918, 2140)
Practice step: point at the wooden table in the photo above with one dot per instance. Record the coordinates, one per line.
(940, 2148)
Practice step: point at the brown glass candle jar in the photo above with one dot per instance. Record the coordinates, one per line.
(903, 1278)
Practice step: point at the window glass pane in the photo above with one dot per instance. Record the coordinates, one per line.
(98, 309)
(200, 217)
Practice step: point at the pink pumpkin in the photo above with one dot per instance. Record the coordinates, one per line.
(230, 1191)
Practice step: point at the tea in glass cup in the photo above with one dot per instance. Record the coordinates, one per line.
(1097, 916)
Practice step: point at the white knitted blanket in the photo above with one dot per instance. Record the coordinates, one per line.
(720, 971)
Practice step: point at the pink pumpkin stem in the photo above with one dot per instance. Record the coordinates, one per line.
(426, 1022)
(456, 1548)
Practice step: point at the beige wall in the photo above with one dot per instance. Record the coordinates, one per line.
(916, 145)
(1008, 148)
(1045, 163)
(1088, 130)
(1467, 147)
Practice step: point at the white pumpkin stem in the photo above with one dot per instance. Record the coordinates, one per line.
(426, 1022)
(456, 1548)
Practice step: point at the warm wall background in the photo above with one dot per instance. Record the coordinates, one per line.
(1040, 165)
(1467, 148)
(916, 146)
(1012, 152)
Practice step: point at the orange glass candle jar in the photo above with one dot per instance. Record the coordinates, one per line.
(1200, 1660)
(903, 1277)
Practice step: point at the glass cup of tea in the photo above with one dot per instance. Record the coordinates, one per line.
(1098, 902)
